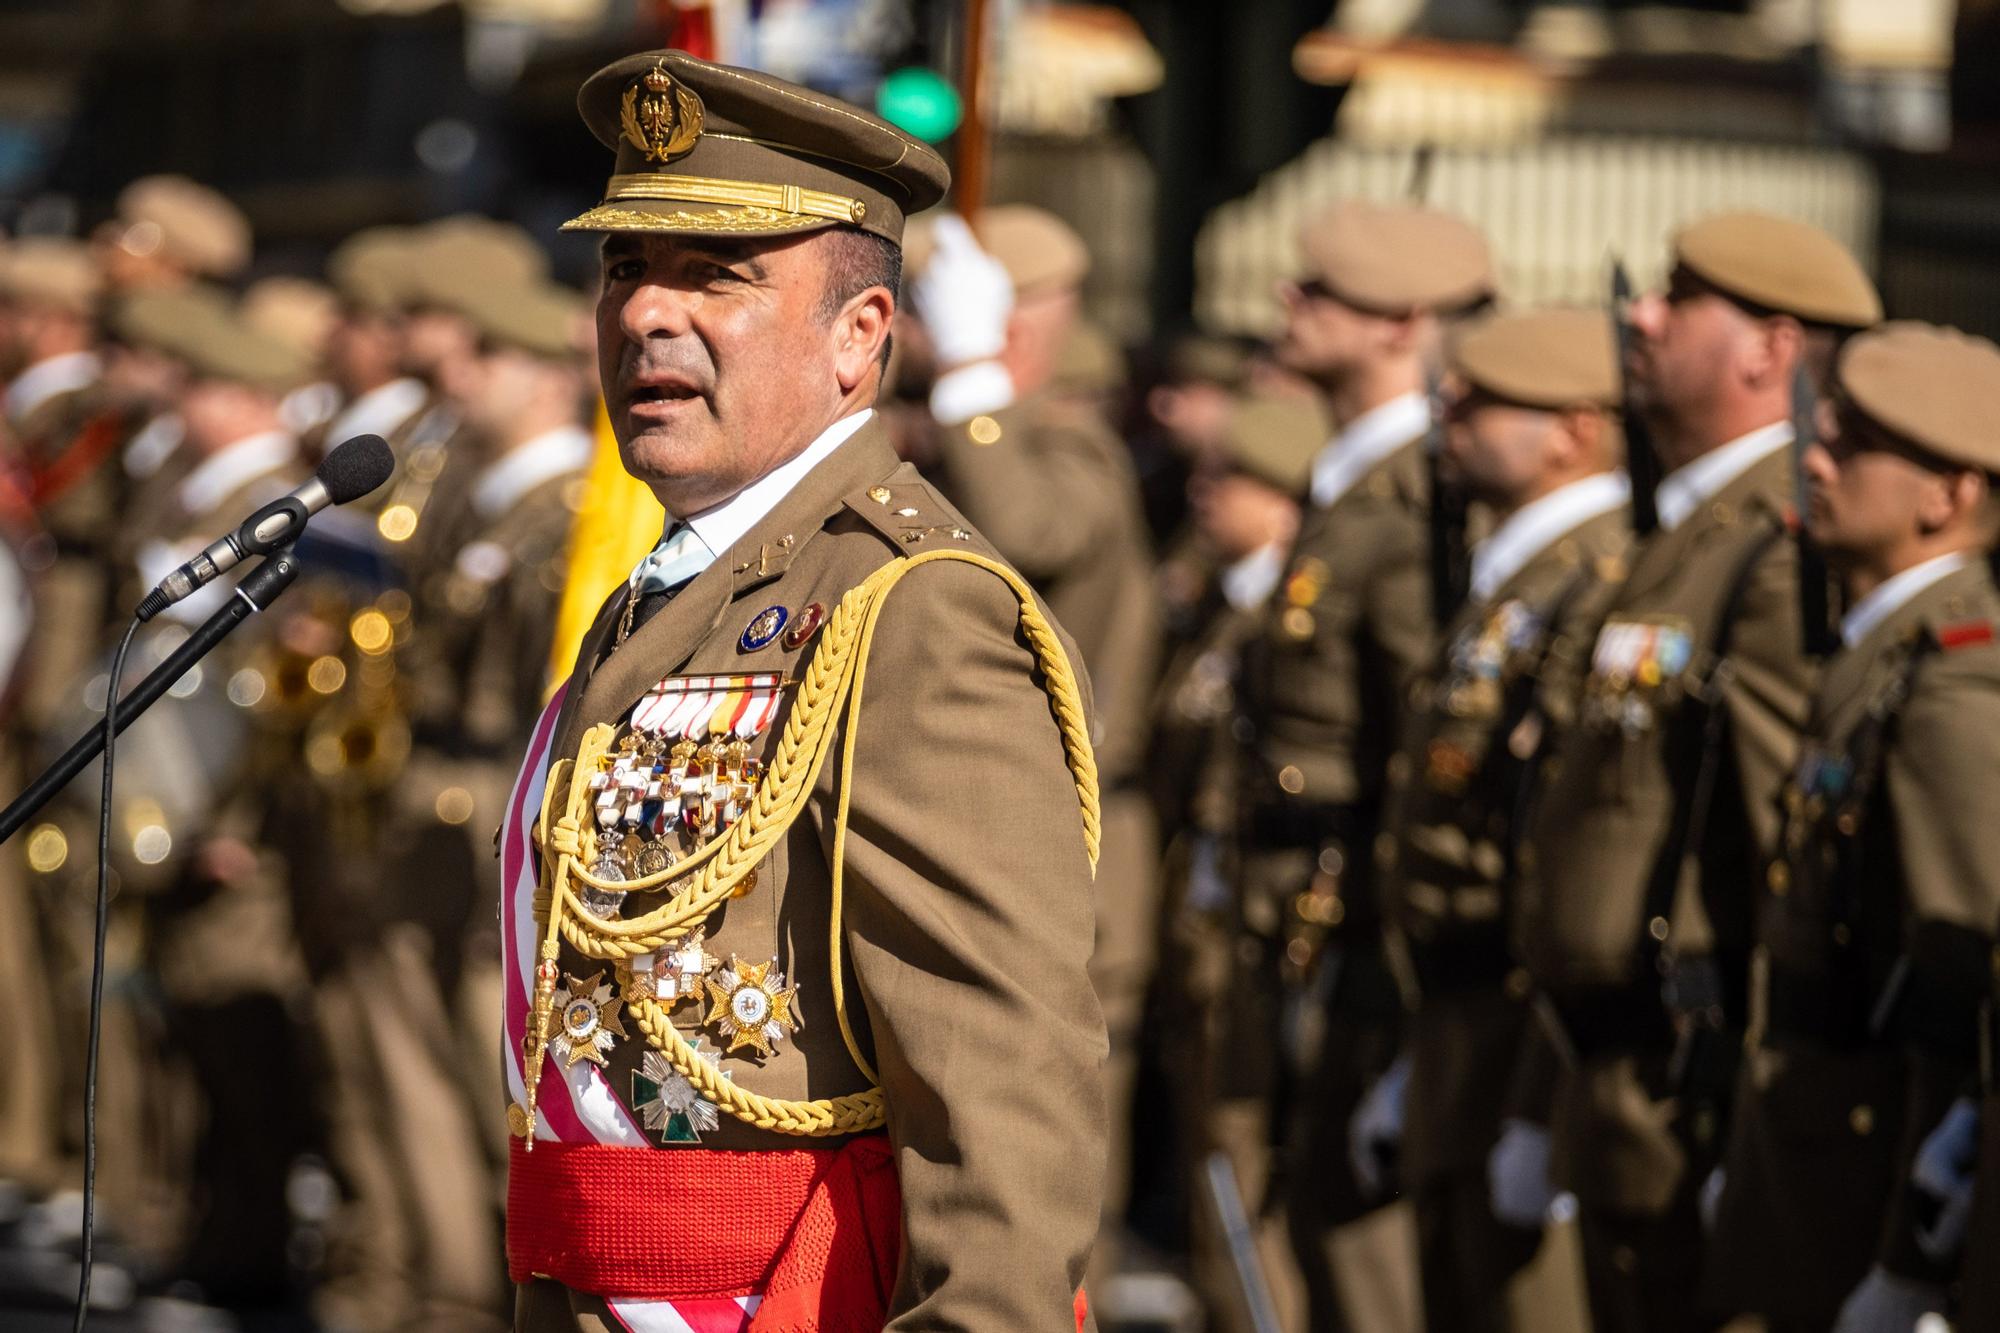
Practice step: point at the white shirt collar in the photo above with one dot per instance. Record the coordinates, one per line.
(1894, 593)
(1685, 488)
(1537, 525)
(527, 465)
(378, 412)
(212, 480)
(1366, 441)
(722, 526)
(1249, 583)
(45, 379)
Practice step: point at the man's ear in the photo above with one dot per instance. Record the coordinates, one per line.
(861, 333)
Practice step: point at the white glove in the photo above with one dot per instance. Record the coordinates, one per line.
(1886, 1303)
(1944, 1169)
(963, 296)
(1376, 1132)
(1517, 1175)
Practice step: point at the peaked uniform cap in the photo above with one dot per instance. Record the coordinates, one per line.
(295, 311)
(1935, 387)
(458, 254)
(1780, 264)
(707, 149)
(540, 318)
(187, 222)
(1398, 259)
(375, 269)
(1549, 359)
(1275, 437)
(201, 327)
(51, 272)
(163, 319)
(1039, 250)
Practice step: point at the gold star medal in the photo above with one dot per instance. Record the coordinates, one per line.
(587, 1023)
(667, 1103)
(750, 1004)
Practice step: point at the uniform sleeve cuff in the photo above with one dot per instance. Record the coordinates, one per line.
(969, 391)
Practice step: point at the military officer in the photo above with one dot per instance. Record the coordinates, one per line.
(1659, 800)
(1322, 688)
(1533, 434)
(1244, 495)
(1876, 921)
(374, 272)
(808, 965)
(1040, 471)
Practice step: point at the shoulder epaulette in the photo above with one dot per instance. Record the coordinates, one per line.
(909, 513)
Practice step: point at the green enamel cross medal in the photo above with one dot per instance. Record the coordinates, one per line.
(668, 1103)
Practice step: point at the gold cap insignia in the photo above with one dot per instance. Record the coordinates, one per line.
(660, 117)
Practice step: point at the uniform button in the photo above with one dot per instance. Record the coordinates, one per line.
(1657, 928)
(1291, 779)
(1778, 877)
(1862, 1120)
(983, 430)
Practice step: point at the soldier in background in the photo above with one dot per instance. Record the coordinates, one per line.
(1244, 496)
(1323, 685)
(1052, 486)
(484, 615)
(1660, 802)
(1876, 924)
(374, 274)
(301, 314)
(1533, 435)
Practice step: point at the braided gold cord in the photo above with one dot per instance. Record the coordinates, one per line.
(835, 677)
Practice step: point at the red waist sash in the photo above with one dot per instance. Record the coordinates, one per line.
(816, 1232)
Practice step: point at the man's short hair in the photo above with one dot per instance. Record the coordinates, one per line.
(856, 261)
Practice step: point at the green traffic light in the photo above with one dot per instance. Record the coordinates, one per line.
(920, 102)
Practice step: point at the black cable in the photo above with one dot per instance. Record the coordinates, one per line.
(97, 975)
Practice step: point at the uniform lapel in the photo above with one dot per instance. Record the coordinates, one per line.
(664, 644)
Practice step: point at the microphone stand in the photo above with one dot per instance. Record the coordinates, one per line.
(259, 588)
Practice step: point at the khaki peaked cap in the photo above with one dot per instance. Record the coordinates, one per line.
(1782, 265)
(466, 253)
(1935, 387)
(1040, 251)
(375, 269)
(1398, 259)
(706, 149)
(541, 319)
(1550, 358)
(185, 221)
(1274, 437)
(52, 272)
(203, 328)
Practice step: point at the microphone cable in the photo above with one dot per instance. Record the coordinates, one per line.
(97, 975)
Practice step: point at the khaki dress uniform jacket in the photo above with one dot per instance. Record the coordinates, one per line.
(1632, 1147)
(967, 912)
(1324, 682)
(1876, 926)
(1503, 679)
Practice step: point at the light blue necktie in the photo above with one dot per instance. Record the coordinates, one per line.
(680, 556)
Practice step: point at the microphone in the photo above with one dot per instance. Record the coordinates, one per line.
(352, 470)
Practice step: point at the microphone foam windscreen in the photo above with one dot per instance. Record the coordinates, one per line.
(356, 467)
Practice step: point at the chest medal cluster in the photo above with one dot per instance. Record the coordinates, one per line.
(1636, 670)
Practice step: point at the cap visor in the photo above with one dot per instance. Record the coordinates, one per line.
(668, 217)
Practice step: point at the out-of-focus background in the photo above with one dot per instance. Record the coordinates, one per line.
(270, 1163)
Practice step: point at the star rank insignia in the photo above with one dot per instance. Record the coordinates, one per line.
(667, 1103)
(587, 1024)
(751, 1005)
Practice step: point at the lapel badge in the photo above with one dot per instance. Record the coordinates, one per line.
(667, 1102)
(804, 624)
(751, 1005)
(763, 628)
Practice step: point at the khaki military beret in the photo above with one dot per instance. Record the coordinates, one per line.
(374, 270)
(186, 222)
(295, 311)
(1397, 259)
(1040, 251)
(1543, 358)
(464, 252)
(710, 149)
(541, 319)
(51, 271)
(161, 319)
(1935, 387)
(1275, 437)
(1782, 265)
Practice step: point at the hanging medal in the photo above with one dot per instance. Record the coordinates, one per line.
(586, 1020)
(667, 1103)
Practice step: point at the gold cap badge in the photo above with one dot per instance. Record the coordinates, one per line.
(660, 117)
